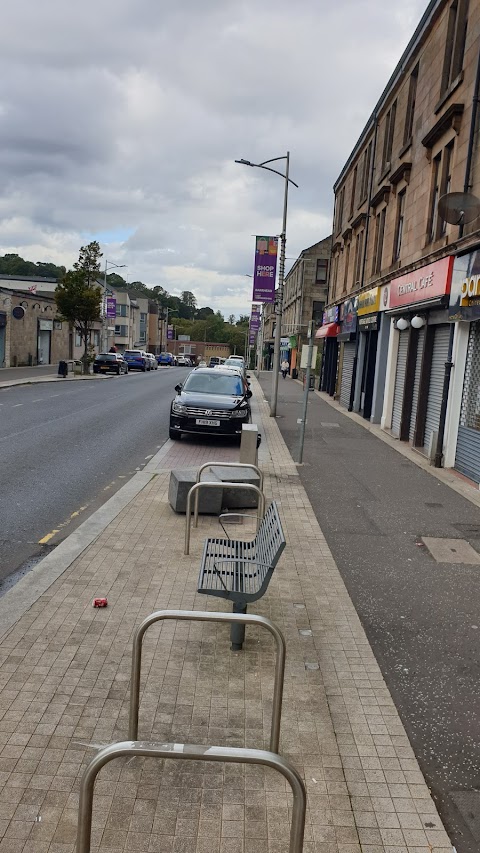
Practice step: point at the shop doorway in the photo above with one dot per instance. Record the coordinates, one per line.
(368, 374)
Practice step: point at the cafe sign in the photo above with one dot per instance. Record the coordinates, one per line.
(429, 282)
(465, 290)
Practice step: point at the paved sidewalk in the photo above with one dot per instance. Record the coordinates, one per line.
(64, 677)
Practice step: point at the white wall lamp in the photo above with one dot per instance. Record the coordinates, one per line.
(402, 324)
(418, 322)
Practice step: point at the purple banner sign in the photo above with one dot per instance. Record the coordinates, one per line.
(170, 333)
(255, 318)
(111, 306)
(251, 338)
(265, 270)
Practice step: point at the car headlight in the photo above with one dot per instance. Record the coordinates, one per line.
(240, 413)
(177, 407)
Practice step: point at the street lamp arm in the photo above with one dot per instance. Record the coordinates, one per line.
(267, 168)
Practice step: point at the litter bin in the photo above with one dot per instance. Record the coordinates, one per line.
(294, 373)
(62, 369)
(312, 383)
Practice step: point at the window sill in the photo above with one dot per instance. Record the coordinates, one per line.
(451, 89)
(405, 148)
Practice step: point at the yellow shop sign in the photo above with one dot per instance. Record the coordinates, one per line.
(369, 301)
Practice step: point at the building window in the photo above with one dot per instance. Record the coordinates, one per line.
(455, 44)
(347, 264)
(121, 310)
(367, 159)
(446, 182)
(96, 338)
(397, 245)
(339, 217)
(78, 339)
(358, 256)
(121, 331)
(435, 192)
(317, 312)
(412, 98)
(333, 287)
(322, 271)
(379, 234)
(354, 189)
(143, 327)
(388, 137)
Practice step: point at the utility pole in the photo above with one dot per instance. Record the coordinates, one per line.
(306, 392)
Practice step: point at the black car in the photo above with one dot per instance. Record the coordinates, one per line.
(110, 362)
(210, 402)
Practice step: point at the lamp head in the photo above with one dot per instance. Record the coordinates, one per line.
(417, 322)
(244, 162)
(402, 324)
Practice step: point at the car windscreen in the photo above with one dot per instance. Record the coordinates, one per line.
(214, 383)
(135, 352)
(106, 357)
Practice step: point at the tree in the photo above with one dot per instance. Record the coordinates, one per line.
(78, 295)
(243, 320)
(231, 319)
(203, 313)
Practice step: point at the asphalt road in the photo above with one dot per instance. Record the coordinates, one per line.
(66, 448)
(421, 617)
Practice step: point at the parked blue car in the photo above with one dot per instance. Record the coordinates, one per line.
(137, 359)
(165, 358)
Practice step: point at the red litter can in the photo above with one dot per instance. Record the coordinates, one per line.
(100, 602)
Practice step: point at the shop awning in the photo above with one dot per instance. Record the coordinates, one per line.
(330, 330)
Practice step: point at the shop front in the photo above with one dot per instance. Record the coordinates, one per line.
(328, 332)
(464, 312)
(368, 313)
(347, 339)
(418, 352)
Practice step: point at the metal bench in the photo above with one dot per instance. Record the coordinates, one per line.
(241, 571)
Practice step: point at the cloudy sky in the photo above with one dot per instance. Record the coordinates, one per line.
(120, 120)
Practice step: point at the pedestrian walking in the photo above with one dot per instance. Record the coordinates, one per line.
(284, 368)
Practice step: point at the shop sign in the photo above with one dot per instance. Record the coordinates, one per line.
(368, 302)
(331, 315)
(429, 282)
(368, 323)
(349, 317)
(45, 325)
(284, 343)
(465, 290)
(385, 297)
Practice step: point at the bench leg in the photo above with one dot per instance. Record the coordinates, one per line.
(237, 632)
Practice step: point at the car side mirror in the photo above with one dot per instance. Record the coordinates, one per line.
(249, 393)
(178, 388)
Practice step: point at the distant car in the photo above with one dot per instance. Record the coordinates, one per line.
(183, 361)
(110, 362)
(153, 361)
(202, 364)
(165, 358)
(210, 402)
(213, 361)
(137, 359)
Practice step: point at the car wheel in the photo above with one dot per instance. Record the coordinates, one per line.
(143, 369)
(174, 434)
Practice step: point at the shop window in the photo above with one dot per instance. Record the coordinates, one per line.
(412, 97)
(388, 137)
(397, 245)
(322, 271)
(379, 235)
(455, 43)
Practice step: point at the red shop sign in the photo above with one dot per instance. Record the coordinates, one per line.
(428, 282)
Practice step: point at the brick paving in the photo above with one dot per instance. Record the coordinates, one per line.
(64, 678)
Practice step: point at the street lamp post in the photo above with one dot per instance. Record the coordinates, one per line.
(104, 336)
(281, 269)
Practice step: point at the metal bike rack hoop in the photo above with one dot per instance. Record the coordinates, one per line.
(204, 616)
(223, 465)
(202, 485)
(189, 752)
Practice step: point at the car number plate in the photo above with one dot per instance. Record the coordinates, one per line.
(206, 422)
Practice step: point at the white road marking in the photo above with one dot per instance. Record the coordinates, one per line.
(17, 405)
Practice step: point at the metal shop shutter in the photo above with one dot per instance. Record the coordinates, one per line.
(437, 375)
(467, 459)
(399, 383)
(347, 374)
(416, 381)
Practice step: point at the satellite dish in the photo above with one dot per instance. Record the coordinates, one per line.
(458, 208)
